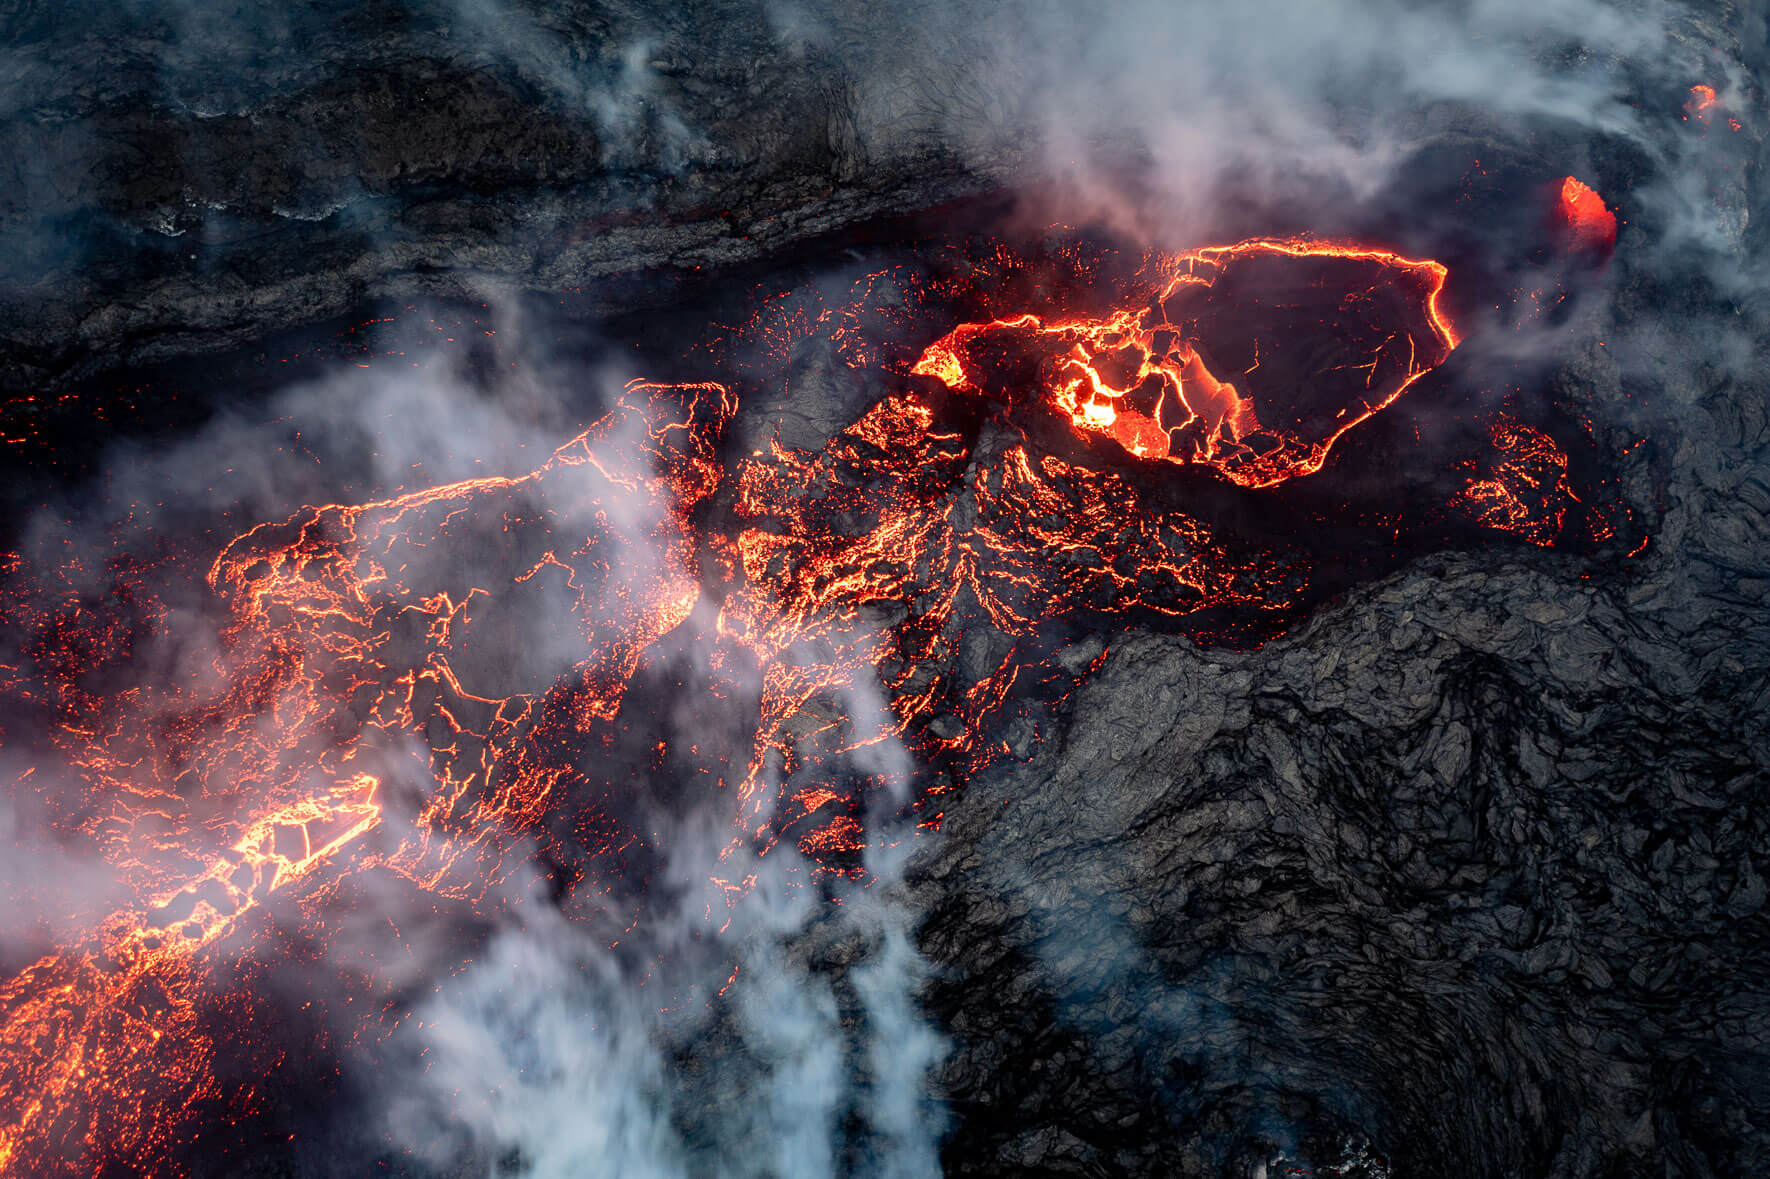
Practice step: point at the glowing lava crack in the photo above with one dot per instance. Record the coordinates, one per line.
(1138, 376)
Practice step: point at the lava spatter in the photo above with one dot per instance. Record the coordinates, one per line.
(1584, 219)
(1701, 101)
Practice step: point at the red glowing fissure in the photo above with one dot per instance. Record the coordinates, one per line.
(339, 726)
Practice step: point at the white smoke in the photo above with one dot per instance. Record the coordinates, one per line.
(904, 1049)
(540, 1053)
(549, 1053)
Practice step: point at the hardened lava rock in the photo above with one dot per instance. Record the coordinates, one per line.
(1484, 884)
(185, 174)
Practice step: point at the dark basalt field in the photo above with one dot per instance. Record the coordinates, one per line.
(563, 611)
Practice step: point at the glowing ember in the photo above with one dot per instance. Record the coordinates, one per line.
(1523, 487)
(1702, 99)
(1588, 224)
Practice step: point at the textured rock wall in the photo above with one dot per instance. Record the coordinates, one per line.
(184, 175)
(1472, 864)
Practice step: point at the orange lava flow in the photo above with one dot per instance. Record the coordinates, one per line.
(349, 704)
(1138, 377)
(1589, 224)
(1523, 488)
(339, 654)
(874, 552)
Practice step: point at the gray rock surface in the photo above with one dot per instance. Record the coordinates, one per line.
(1482, 882)
(183, 175)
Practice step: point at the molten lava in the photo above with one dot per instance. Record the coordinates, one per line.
(1138, 377)
(1523, 487)
(1702, 100)
(338, 650)
(357, 710)
(1586, 222)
